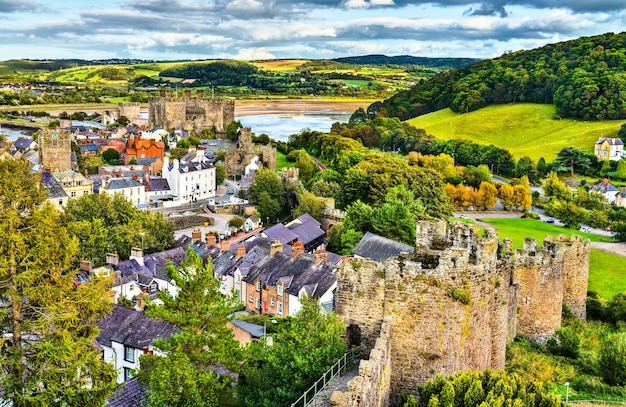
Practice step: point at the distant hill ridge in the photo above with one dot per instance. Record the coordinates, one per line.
(379, 59)
(584, 78)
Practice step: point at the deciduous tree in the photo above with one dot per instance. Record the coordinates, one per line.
(48, 326)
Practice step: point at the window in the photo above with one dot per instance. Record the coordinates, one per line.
(280, 290)
(73, 194)
(272, 302)
(258, 303)
(251, 298)
(238, 279)
(129, 354)
(153, 287)
(280, 308)
(128, 374)
(258, 286)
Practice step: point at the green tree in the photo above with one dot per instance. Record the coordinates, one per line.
(622, 132)
(612, 359)
(233, 130)
(306, 166)
(268, 181)
(553, 187)
(621, 169)
(473, 176)
(133, 161)
(268, 207)
(310, 204)
(573, 159)
(236, 222)
(42, 301)
(187, 376)
(304, 347)
(111, 156)
(220, 174)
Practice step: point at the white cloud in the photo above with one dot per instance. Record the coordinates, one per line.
(254, 54)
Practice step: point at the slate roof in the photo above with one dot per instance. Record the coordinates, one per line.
(131, 394)
(295, 274)
(146, 161)
(256, 331)
(120, 183)
(23, 143)
(611, 140)
(157, 184)
(86, 148)
(309, 231)
(282, 233)
(372, 246)
(132, 328)
(604, 188)
(52, 185)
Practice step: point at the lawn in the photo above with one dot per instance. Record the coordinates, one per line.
(281, 161)
(525, 129)
(606, 271)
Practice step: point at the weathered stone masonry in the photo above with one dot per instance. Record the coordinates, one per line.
(455, 302)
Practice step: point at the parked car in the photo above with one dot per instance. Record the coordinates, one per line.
(525, 216)
(230, 191)
(585, 229)
(549, 220)
(462, 216)
(608, 228)
(174, 215)
(188, 213)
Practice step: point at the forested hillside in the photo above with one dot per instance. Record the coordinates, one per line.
(584, 78)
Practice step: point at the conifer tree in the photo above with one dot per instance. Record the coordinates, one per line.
(189, 374)
(48, 324)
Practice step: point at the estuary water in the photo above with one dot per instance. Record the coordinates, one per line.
(279, 126)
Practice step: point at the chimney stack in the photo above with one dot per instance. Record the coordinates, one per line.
(320, 256)
(162, 93)
(224, 245)
(276, 247)
(85, 265)
(187, 94)
(196, 235)
(113, 259)
(297, 250)
(200, 94)
(137, 254)
(241, 251)
(211, 240)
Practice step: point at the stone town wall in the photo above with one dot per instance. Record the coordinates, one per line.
(130, 110)
(576, 272)
(371, 387)
(456, 301)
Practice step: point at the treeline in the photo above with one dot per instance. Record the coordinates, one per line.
(584, 78)
(441, 63)
(390, 134)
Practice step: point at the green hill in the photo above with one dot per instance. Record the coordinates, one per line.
(525, 129)
(584, 78)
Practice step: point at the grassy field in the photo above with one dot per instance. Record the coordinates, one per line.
(606, 271)
(525, 129)
(281, 161)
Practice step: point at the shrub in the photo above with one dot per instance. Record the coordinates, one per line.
(565, 343)
(460, 295)
(612, 359)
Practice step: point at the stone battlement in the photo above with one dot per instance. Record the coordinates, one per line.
(459, 298)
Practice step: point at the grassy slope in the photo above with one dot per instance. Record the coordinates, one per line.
(525, 129)
(606, 271)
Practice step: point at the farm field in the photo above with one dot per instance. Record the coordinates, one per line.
(525, 129)
(606, 271)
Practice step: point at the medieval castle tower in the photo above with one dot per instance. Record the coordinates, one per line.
(236, 159)
(55, 149)
(453, 304)
(190, 113)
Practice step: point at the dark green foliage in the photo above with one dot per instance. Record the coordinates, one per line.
(484, 389)
(565, 342)
(233, 130)
(581, 77)
(612, 359)
(574, 160)
(111, 156)
(304, 347)
(220, 174)
(622, 133)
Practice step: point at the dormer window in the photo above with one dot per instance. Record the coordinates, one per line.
(279, 290)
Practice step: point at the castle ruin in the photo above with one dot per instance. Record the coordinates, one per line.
(452, 305)
(55, 149)
(189, 113)
(235, 160)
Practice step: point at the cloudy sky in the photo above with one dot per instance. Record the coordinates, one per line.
(266, 29)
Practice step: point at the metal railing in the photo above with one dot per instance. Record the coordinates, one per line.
(335, 370)
(604, 402)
